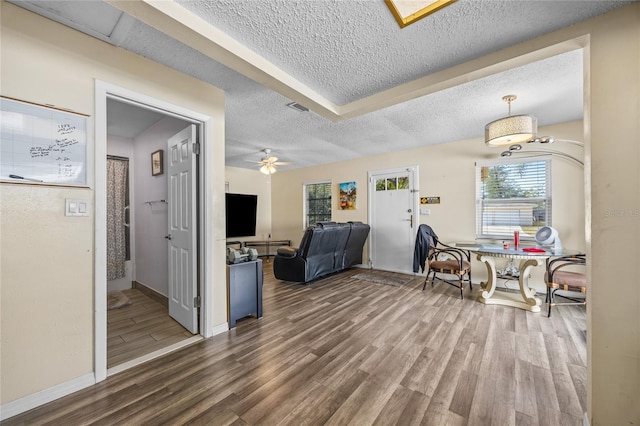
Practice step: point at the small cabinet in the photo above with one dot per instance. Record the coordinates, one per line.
(244, 290)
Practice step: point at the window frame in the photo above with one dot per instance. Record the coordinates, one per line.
(547, 198)
(305, 197)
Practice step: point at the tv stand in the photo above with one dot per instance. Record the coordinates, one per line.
(268, 246)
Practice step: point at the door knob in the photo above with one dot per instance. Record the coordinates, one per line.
(168, 237)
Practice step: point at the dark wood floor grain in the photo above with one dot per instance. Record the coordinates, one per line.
(140, 328)
(346, 351)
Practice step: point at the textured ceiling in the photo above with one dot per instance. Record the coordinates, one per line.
(347, 51)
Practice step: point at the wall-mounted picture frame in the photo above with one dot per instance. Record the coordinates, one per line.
(157, 162)
(348, 195)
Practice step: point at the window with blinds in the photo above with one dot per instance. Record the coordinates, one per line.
(513, 196)
(317, 202)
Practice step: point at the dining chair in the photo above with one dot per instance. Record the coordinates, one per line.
(443, 261)
(558, 279)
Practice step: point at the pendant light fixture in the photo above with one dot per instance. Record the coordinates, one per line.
(510, 130)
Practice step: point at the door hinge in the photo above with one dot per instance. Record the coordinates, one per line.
(196, 148)
(196, 302)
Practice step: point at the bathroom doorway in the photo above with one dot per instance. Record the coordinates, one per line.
(139, 324)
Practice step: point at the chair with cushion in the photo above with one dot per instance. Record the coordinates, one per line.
(443, 262)
(559, 279)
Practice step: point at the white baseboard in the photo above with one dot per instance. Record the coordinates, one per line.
(219, 329)
(37, 399)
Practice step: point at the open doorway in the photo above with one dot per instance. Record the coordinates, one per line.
(138, 285)
(177, 151)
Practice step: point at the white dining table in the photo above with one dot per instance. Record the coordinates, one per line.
(488, 253)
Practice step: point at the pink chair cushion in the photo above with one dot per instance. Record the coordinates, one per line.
(448, 266)
(566, 279)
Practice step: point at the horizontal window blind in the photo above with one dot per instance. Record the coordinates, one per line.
(317, 202)
(513, 196)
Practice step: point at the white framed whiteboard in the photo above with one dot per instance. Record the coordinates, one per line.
(42, 145)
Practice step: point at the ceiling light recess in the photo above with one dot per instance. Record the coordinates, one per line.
(409, 11)
(512, 129)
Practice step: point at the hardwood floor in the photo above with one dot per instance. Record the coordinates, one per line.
(344, 351)
(140, 328)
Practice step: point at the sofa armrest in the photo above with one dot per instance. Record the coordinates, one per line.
(288, 252)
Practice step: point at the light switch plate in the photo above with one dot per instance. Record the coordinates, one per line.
(75, 207)
(425, 212)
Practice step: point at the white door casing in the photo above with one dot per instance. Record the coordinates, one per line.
(393, 217)
(182, 232)
(104, 90)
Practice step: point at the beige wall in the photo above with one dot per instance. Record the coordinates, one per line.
(46, 258)
(447, 171)
(614, 217)
(245, 181)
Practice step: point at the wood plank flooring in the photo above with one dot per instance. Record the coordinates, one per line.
(140, 328)
(345, 351)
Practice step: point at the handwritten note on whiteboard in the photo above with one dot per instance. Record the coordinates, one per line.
(42, 145)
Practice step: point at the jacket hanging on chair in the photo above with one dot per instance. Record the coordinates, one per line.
(424, 239)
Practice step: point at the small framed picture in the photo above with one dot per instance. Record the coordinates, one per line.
(157, 162)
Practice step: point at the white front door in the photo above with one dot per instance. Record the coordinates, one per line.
(182, 235)
(393, 218)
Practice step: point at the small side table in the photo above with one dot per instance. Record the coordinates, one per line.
(244, 290)
(268, 245)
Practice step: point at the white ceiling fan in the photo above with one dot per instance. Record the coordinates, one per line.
(268, 163)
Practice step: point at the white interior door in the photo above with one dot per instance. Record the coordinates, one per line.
(182, 233)
(393, 218)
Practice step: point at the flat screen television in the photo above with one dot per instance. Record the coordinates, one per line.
(241, 215)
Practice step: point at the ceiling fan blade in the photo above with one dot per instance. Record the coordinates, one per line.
(272, 159)
(255, 162)
(282, 163)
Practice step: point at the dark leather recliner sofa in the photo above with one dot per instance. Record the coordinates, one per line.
(325, 248)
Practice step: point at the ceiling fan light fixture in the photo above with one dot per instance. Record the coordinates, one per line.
(268, 169)
(514, 129)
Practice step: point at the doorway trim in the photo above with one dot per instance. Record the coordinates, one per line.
(104, 91)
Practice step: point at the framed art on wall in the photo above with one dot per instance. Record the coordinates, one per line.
(157, 162)
(348, 195)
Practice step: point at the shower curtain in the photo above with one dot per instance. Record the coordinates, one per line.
(117, 194)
